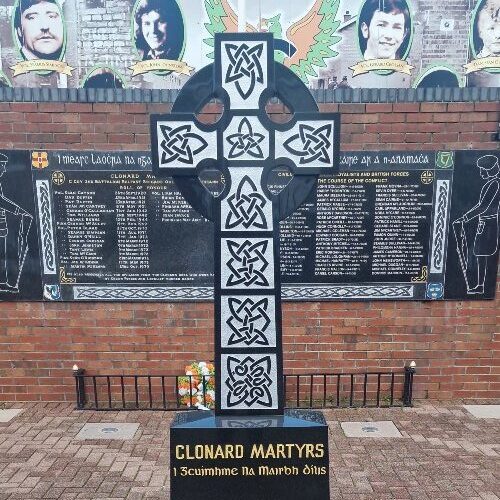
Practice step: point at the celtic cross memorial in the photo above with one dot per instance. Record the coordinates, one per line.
(245, 145)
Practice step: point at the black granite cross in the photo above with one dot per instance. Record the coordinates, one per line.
(246, 145)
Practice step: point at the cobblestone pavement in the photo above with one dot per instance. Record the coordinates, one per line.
(445, 453)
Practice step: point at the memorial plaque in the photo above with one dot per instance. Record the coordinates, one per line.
(382, 228)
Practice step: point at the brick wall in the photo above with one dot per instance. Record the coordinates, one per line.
(455, 344)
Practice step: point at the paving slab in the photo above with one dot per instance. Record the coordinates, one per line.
(108, 430)
(8, 415)
(385, 429)
(484, 411)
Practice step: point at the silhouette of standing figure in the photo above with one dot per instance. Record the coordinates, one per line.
(14, 228)
(486, 238)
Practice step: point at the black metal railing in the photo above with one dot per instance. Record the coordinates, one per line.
(307, 391)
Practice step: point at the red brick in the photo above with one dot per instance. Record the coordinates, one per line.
(78, 107)
(24, 107)
(392, 117)
(484, 126)
(105, 108)
(392, 138)
(446, 117)
(460, 106)
(352, 108)
(475, 117)
(365, 138)
(329, 108)
(51, 107)
(69, 138)
(418, 137)
(433, 107)
(487, 106)
(134, 108)
(376, 127)
(445, 137)
(406, 107)
(379, 108)
(471, 136)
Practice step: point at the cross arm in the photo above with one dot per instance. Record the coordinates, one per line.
(181, 146)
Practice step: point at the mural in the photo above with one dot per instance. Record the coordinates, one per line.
(158, 44)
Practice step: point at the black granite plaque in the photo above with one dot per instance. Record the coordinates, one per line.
(386, 227)
(249, 458)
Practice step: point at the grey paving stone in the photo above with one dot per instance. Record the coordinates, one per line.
(108, 430)
(8, 415)
(484, 411)
(384, 429)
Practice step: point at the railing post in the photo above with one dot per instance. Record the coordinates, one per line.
(408, 384)
(79, 373)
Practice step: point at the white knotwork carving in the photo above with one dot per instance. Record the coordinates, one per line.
(249, 381)
(246, 207)
(248, 321)
(247, 263)
(46, 227)
(244, 68)
(311, 144)
(245, 141)
(440, 227)
(291, 292)
(253, 423)
(180, 144)
(141, 293)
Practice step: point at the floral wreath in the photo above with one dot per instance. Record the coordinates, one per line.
(197, 388)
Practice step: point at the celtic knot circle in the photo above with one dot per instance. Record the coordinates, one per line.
(246, 206)
(180, 144)
(311, 143)
(248, 321)
(247, 263)
(248, 381)
(244, 68)
(246, 141)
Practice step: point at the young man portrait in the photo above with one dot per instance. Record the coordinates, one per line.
(486, 30)
(159, 29)
(384, 29)
(39, 28)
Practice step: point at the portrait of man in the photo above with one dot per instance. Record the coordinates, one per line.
(384, 29)
(486, 29)
(39, 28)
(159, 29)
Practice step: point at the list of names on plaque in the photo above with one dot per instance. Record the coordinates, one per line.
(400, 212)
(81, 228)
(296, 240)
(120, 227)
(341, 228)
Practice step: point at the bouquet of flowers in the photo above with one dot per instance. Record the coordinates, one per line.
(197, 388)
